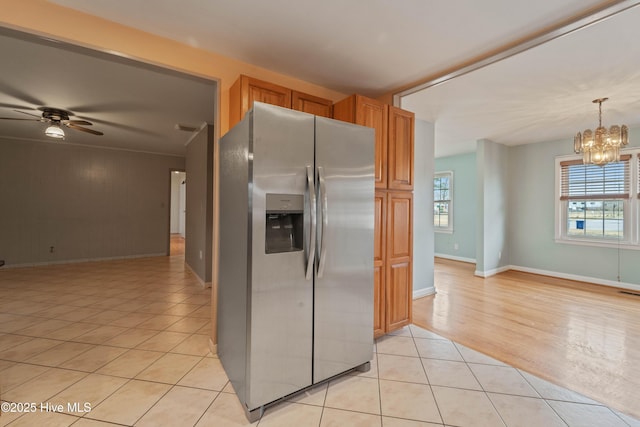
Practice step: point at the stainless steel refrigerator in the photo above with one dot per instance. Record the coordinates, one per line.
(295, 280)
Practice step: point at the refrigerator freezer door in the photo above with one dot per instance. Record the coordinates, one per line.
(343, 313)
(281, 314)
(233, 255)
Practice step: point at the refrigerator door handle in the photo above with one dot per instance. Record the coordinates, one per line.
(312, 233)
(325, 220)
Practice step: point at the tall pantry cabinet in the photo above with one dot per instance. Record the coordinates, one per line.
(393, 246)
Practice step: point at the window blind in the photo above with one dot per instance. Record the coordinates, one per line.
(584, 182)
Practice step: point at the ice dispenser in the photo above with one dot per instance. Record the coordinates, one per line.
(284, 223)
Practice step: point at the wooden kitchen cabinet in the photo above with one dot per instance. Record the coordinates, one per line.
(399, 260)
(392, 261)
(393, 229)
(400, 150)
(368, 112)
(399, 225)
(311, 104)
(398, 295)
(379, 303)
(379, 256)
(380, 227)
(246, 90)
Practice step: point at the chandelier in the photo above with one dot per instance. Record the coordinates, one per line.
(603, 145)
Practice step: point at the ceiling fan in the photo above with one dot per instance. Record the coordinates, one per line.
(57, 118)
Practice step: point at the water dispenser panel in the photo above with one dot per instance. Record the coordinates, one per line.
(284, 223)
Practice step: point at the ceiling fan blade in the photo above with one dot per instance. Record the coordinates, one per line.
(91, 131)
(123, 126)
(77, 122)
(28, 114)
(14, 118)
(16, 93)
(15, 107)
(107, 107)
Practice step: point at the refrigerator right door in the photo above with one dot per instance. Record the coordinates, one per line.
(343, 291)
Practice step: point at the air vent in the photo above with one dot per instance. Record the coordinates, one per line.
(185, 128)
(635, 294)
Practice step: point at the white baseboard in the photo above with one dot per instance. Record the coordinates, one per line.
(198, 278)
(492, 272)
(75, 261)
(213, 348)
(587, 279)
(456, 258)
(419, 293)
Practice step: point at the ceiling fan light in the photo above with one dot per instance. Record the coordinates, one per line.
(54, 131)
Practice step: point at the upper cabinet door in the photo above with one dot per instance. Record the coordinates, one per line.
(311, 104)
(401, 125)
(246, 90)
(371, 113)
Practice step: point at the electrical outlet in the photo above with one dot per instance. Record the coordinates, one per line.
(51, 249)
(200, 254)
(456, 247)
(499, 255)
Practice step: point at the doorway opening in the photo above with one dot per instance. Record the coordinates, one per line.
(177, 212)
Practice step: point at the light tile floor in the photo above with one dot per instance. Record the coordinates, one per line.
(130, 340)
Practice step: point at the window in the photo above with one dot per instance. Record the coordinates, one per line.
(594, 204)
(443, 201)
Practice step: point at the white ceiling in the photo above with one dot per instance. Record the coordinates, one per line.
(364, 46)
(543, 94)
(373, 46)
(136, 106)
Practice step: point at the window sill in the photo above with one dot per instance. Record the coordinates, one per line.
(443, 230)
(601, 244)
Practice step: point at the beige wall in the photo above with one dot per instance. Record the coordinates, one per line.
(88, 203)
(42, 17)
(199, 216)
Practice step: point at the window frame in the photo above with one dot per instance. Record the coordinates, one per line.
(449, 228)
(631, 206)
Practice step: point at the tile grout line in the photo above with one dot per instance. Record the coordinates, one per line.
(544, 399)
(480, 383)
(209, 407)
(413, 338)
(375, 354)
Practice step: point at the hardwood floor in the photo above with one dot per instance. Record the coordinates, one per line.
(581, 336)
(176, 244)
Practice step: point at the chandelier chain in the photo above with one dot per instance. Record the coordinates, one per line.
(600, 113)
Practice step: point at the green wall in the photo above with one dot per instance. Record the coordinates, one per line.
(492, 240)
(464, 208)
(422, 206)
(504, 202)
(531, 211)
